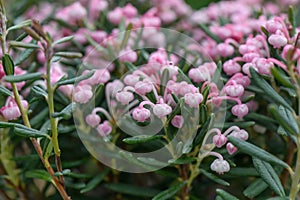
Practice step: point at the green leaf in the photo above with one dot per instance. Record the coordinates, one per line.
(39, 117)
(278, 198)
(69, 55)
(167, 194)
(214, 178)
(66, 113)
(131, 189)
(130, 66)
(269, 175)
(20, 25)
(165, 77)
(268, 90)
(23, 77)
(255, 188)
(152, 161)
(285, 118)
(23, 45)
(255, 151)
(225, 195)
(25, 54)
(130, 158)
(5, 91)
(242, 171)
(141, 139)
(182, 160)
(95, 181)
(28, 132)
(63, 40)
(6, 125)
(75, 79)
(8, 65)
(282, 78)
(292, 20)
(184, 76)
(39, 174)
(38, 91)
(126, 36)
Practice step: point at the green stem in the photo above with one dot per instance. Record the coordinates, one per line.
(296, 178)
(24, 113)
(53, 121)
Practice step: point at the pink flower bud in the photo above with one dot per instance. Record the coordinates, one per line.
(288, 51)
(272, 26)
(243, 135)
(113, 87)
(115, 16)
(82, 93)
(185, 88)
(129, 11)
(240, 110)
(127, 55)
(235, 90)
(219, 140)
(177, 121)
(93, 120)
(231, 67)
(220, 166)
(124, 97)
(2, 73)
(247, 48)
(104, 129)
(143, 87)
(193, 100)
(162, 110)
(173, 70)
(231, 149)
(249, 57)
(131, 80)
(264, 66)
(199, 74)
(225, 50)
(277, 40)
(11, 110)
(141, 114)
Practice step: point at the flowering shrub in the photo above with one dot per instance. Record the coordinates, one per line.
(165, 97)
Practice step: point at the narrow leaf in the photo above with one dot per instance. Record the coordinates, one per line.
(268, 90)
(8, 65)
(141, 139)
(39, 174)
(23, 45)
(75, 79)
(23, 77)
(95, 181)
(28, 132)
(214, 178)
(131, 189)
(66, 113)
(255, 188)
(68, 54)
(169, 193)
(20, 25)
(269, 175)
(63, 40)
(255, 151)
(225, 195)
(285, 119)
(5, 91)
